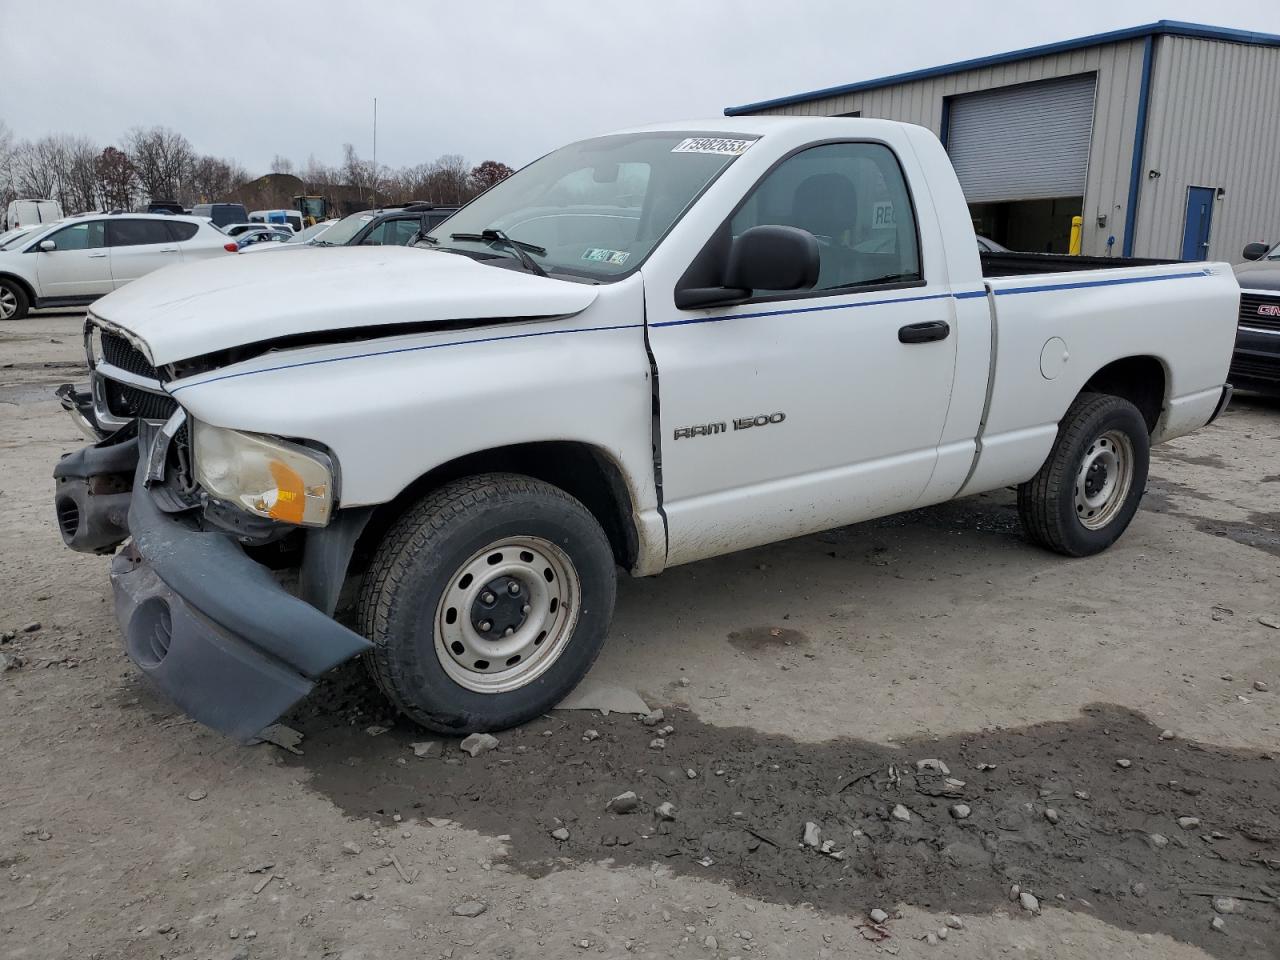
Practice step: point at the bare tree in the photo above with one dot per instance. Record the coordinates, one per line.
(211, 179)
(280, 164)
(6, 164)
(163, 159)
(117, 179)
(36, 166)
(79, 188)
(356, 172)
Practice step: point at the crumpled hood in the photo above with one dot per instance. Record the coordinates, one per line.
(194, 309)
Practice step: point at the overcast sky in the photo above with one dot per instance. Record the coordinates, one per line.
(497, 79)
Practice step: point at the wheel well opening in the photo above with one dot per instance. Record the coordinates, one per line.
(576, 468)
(1140, 380)
(21, 284)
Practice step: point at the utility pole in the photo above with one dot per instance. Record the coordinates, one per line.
(375, 153)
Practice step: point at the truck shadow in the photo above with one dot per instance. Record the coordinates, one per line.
(1050, 808)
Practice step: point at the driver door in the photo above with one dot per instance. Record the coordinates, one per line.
(78, 267)
(801, 411)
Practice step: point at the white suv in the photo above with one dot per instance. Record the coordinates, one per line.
(77, 260)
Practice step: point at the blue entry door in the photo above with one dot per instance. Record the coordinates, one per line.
(1195, 236)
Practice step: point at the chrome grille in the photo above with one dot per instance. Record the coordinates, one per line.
(1251, 303)
(128, 402)
(119, 352)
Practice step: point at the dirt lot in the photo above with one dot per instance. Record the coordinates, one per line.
(804, 681)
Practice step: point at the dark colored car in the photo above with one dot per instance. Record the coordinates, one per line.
(1256, 362)
(221, 213)
(391, 226)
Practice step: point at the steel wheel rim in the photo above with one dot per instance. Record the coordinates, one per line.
(1104, 479)
(8, 303)
(511, 654)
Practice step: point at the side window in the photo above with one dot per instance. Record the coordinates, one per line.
(180, 230)
(854, 199)
(80, 236)
(391, 233)
(127, 232)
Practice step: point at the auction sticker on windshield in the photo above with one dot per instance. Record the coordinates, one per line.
(602, 255)
(730, 148)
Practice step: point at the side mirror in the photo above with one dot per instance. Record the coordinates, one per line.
(1256, 251)
(768, 257)
(48, 246)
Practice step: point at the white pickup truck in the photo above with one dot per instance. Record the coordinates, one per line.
(642, 350)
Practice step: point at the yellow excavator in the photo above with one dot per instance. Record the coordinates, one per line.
(313, 209)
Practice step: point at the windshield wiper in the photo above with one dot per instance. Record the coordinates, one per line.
(518, 247)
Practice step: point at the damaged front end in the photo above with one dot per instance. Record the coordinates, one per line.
(212, 626)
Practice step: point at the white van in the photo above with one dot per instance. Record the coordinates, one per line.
(287, 218)
(31, 213)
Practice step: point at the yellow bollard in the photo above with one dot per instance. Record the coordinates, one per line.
(1077, 228)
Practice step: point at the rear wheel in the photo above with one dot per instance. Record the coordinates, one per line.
(1088, 490)
(487, 603)
(13, 301)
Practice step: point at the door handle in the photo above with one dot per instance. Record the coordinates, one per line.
(926, 332)
(168, 249)
(95, 256)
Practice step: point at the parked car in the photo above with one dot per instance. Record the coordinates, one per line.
(14, 236)
(221, 214)
(393, 226)
(78, 260)
(476, 435)
(1256, 363)
(31, 213)
(236, 229)
(298, 241)
(253, 239)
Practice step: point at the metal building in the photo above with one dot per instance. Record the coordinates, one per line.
(1165, 138)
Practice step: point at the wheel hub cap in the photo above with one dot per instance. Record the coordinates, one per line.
(500, 609)
(507, 614)
(1104, 479)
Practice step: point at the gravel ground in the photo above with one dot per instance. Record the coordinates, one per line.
(804, 683)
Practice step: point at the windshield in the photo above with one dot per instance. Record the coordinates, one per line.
(346, 228)
(12, 237)
(594, 209)
(1275, 253)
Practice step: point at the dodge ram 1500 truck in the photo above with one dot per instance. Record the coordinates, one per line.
(640, 350)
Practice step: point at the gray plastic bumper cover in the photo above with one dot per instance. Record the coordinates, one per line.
(213, 629)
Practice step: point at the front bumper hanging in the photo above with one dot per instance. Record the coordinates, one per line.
(212, 628)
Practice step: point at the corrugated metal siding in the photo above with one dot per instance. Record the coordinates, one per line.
(1213, 123)
(1029, 142)
(1119, 70)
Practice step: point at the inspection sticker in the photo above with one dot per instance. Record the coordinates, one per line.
(730, 148)
(602, 255)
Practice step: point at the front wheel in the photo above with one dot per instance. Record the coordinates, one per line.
(13, 301)
(1088, 490)
(487, 603)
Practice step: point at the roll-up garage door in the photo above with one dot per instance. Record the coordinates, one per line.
(1028, 142)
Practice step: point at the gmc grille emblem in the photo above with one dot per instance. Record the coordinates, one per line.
(1269, 310)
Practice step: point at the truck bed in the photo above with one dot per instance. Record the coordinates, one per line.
(1011, 264)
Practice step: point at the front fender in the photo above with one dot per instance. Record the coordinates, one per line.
(391, 410)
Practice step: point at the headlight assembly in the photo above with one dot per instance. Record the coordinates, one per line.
(263, 475)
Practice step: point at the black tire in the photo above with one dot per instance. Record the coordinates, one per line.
(21, 302)
(1047, 503)
(417, 561)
